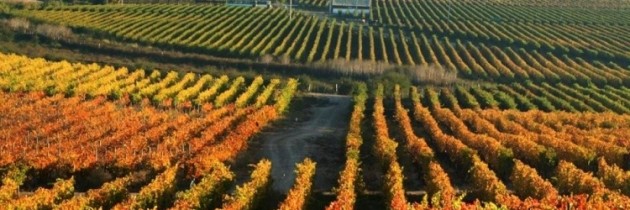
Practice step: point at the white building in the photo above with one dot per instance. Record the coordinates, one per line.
(350, 6)
(248, 3)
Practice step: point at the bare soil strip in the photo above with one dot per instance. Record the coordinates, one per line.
(315, 127)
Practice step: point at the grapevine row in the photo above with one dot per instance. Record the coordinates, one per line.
(346, 193)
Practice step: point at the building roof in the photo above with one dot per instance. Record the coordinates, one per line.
(351, 2)
(243, 2)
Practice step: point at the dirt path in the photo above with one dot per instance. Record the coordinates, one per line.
(320, 137)
(319, 134)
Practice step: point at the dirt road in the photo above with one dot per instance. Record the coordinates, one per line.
(319, 137)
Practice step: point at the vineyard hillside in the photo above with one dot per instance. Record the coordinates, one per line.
(315, 104)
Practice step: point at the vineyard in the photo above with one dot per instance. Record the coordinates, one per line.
(529, 96)
(71, 118)
(514, 46)
(522, 160)
(418, 104)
